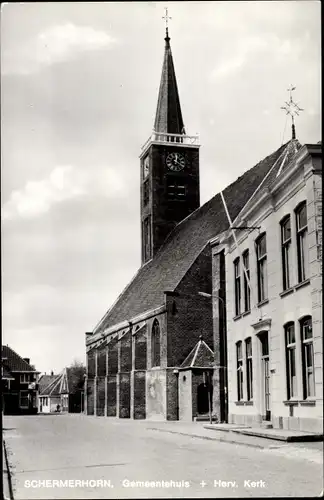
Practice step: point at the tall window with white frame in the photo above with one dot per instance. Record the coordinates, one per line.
(302, 245)
(261, 251)
(249, 369)
(286, 251)
(237, 286)
(239, 358)
(290, 340)
(307, 357)
(246, 288)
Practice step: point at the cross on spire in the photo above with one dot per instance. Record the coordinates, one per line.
(292, 109)
(166, 17)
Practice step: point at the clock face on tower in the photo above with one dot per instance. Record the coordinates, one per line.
(175, 162)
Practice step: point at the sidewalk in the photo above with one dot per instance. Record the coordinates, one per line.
(6, 478)
(234, 435)
(274, 434)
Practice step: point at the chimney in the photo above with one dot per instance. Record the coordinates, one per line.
(27, 360)
(52, 373)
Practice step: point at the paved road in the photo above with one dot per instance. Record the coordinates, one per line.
(79, 448)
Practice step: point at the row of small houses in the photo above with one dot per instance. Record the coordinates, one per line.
(26, 391)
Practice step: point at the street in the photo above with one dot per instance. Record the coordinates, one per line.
(114, 458)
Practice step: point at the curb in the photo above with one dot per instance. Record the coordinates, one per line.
(6, 475)
(274, 437)
(219, 439)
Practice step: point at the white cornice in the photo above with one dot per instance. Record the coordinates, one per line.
(167, 145)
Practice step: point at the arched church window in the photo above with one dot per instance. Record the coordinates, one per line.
(155, 347)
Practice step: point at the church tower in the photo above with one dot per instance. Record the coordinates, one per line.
(169, 166)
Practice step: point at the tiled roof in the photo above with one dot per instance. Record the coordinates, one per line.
(45, 381)
(66, 382)
(201, 356)
(285, 159)
(14, 362)
(168, 117)
(183, 246)
(53, 389)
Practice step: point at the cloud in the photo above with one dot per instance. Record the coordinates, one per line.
(251, 46)
(246, 47)
(64, 183)
(56, 44)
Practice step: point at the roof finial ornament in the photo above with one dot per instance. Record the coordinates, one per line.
(166, 17)
(292, 109)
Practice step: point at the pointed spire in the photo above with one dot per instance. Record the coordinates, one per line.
(168, 118)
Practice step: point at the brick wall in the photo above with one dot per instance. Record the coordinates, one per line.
(126, 352)
(172, 395)
(90, 396)
(190, 315)
(101, 360)
(141, 350)
(91, 364)
(111, 396)
(100, 400)
(139, 411)
(112, 357)
(124, 395)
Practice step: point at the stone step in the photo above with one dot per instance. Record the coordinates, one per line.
(204, 418)
(266, 425)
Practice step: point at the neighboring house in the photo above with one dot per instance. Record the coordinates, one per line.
(19, 383)
(63, 392)
(275, 329)
(47, 399)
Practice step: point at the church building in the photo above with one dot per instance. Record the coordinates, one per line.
(160, 350)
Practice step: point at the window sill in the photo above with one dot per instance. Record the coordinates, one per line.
(246, 313)
(291, 402)
(286, 292)
(263, 302)
(240, 403)
(308, 402)
(249, 403)
(303, 283)
(237, 317)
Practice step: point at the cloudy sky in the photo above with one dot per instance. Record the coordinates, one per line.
(78, 99)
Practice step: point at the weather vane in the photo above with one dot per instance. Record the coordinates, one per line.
(292, 109)
(166, 17)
